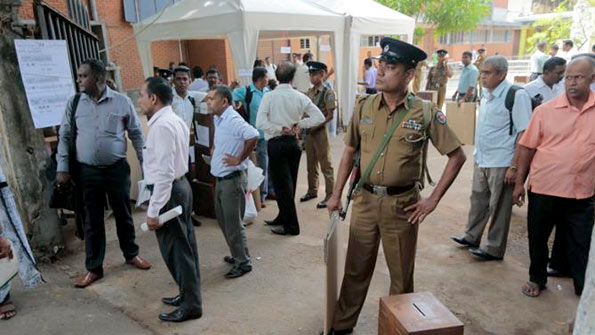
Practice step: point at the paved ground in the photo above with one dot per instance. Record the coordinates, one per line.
(284, 293)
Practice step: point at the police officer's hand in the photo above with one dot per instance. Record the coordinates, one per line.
(422, 208)
(334, 204)
(5, 249)
(510, 176)
(518, 195)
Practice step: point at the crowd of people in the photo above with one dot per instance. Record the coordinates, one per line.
(543, 132)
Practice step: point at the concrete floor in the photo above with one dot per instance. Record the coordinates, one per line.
(284, 293)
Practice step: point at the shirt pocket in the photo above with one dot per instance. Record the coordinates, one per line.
(407, 142)
(113, 124)
(498, 118)
(366, 133)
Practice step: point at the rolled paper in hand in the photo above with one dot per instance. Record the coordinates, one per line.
(163, 218)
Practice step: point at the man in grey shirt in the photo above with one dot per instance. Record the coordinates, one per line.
(102, 117)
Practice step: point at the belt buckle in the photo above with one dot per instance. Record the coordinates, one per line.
(380, 190)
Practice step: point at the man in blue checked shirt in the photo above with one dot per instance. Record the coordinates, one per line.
(466, 92)
(250, 97)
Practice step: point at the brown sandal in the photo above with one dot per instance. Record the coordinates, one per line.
(532, 289)
(7, 311)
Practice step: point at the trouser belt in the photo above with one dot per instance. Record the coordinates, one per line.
(387, 190)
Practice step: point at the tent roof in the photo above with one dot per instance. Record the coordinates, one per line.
(192, 19)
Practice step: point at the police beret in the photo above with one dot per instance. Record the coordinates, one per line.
(482, 50)
(316, 66)
(441, 52)
(396, 51)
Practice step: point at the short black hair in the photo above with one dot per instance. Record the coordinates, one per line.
(96, 66)
(555, 47)
(161, 89)
(552, 63)
(197, 71)
(258, 73)
(368, 61)
(285, 72)
(223, 91)
(258, 63)
(183, 69)
(213, 71)
(272, 84)
(182, 64)
(569, 42)
(468, 53)
(307, 57)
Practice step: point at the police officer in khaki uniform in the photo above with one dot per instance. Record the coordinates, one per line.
(438, 77)
(478, 64)
(418, 75)
(388, 207)
(316, 139)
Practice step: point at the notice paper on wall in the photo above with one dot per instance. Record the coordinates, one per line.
(47, 78)
(202, 136)
(285, 50)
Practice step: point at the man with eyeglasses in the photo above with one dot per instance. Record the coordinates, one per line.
(558, 148)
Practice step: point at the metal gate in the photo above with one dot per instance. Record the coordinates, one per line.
(53, 25)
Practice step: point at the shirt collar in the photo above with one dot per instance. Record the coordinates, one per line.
(563, 102)
(226, 114)
(107, 94)
(161, 112)
(380, 102)
(284, 87)
(499, 90)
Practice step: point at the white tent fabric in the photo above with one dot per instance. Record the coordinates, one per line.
(363, 17)
(241, 22)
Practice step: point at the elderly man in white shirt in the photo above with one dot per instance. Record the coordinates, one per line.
(234, 140)
(165, 165)
(302, 74)
(548, 86)
(537, 59)
(280, 116)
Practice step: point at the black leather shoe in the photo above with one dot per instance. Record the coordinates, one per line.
(307, 197)
(281, 231)
(483, 254)
(229, 260)
(179, 316)
(175, 301)
(321, 204)
(238, 271)
(271, 223)
(464, 242)
(195, 222)
(339, 332)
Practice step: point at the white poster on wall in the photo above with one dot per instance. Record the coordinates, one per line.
(47, 77)
(285, 50)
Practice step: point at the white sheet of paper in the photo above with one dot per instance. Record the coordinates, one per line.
(202, 133)
(143, 193)
(285, 50)
(47, 78)
(325, 47)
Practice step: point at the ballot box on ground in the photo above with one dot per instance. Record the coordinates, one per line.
(335, 250)
(203, 183)
(461, 119)
(428, 95)
(416, 314)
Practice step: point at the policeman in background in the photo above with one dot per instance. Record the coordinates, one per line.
(388, 205)
(478, 64)
(316, 139)
(418, 75)
(438, 77)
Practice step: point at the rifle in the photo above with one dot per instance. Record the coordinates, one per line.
(355, 176)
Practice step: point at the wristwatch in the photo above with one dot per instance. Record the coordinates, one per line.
(514, 168)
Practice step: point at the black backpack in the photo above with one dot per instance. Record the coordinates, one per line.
(509, 103)
(244, 111)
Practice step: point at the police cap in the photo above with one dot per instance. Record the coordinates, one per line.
(316, 66)
(396, 51)
(441, 52)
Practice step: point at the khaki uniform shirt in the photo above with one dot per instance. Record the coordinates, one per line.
(437, 77)
(326, 103)
(400, 163)
(479, 62)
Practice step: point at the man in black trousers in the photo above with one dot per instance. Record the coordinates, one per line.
(165, 167)
(281, 116)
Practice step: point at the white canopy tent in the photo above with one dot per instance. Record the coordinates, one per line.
(363, 17)
(242, 22)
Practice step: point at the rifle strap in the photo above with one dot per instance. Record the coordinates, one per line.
(425, 172)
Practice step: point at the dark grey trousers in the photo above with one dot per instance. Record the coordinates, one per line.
(178, 247)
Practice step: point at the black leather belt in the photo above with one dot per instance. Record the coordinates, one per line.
(230, 176)
(387, 190)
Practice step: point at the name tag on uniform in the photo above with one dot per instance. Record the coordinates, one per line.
(411, 124)
(367, 120)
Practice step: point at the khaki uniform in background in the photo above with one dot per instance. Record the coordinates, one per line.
(437, 80)
(478, 64)
(317, 143)
(382, 217)
(418, 75)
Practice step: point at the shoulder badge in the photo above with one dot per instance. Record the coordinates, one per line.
(440, 118)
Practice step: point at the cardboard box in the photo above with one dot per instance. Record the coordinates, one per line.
(462, 120)
(521, 79)
(416, 314)
(428, 95)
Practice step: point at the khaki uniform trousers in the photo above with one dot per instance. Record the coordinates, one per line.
(318, 153)
(441, 97)
(416, 83)
(490, 198)
(376, 218)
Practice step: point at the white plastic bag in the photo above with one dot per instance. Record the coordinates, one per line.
(250, 213)
(255, 177)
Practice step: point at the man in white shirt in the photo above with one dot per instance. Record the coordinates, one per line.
(567, 50)
(280, 117)
(165, 165)
(537, 59)
(270, 68)
(198, 84)
(547, 86)
(301, 79)
(185, 101)
(234, 140)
